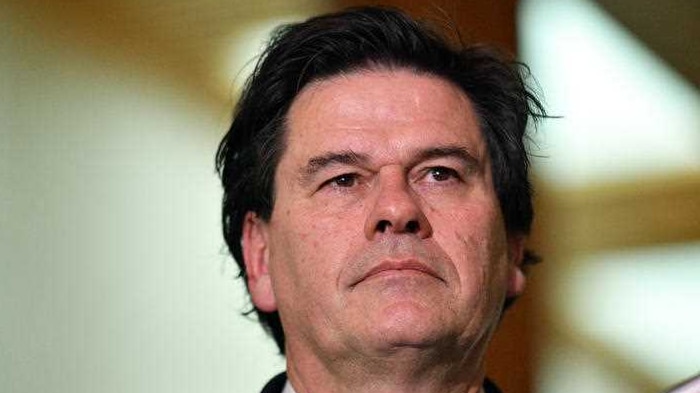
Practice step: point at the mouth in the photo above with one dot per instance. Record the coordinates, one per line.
(387, 268)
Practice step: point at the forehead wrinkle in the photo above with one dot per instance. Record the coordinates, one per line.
(327, 105)
(337, 101)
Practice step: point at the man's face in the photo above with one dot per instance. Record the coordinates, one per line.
(386, 231)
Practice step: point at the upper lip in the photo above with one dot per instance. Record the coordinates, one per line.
(408, 264)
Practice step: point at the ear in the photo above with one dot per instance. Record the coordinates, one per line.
(516, 275)
(256, 256)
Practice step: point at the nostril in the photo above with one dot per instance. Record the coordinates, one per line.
(412, 226)
(383, 225)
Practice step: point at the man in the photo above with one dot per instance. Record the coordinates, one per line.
(376, 198)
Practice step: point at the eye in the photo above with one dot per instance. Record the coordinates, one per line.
(441, 173)
(345, 180)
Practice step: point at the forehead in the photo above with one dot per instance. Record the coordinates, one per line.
(391, 106)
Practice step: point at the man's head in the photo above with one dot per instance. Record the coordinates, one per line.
(375, 178)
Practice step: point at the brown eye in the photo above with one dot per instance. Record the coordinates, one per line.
(441, 173)
(345, 180)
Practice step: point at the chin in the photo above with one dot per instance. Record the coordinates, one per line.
(410, 324)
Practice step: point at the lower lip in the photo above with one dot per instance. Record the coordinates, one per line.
(398, 272)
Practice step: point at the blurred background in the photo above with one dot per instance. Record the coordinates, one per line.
(113, 273)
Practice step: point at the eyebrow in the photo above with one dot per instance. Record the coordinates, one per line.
(349, 157)
(458, 152)
(318, 163)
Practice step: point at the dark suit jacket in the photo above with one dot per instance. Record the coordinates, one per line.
(276, 385)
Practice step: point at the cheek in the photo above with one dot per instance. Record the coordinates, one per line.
(308, 248)
(481, 263)
(339, 221)
(474, 237)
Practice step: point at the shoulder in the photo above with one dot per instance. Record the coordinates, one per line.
(490, 387)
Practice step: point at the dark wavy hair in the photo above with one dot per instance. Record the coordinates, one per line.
(363, 39)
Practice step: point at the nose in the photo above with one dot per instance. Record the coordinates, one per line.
(396, 208)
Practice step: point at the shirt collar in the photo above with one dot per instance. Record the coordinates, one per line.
(288, 388)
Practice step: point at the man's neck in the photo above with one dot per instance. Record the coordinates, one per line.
(401, 372)
(288, 388)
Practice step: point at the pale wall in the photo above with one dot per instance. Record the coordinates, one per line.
(113, 275)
